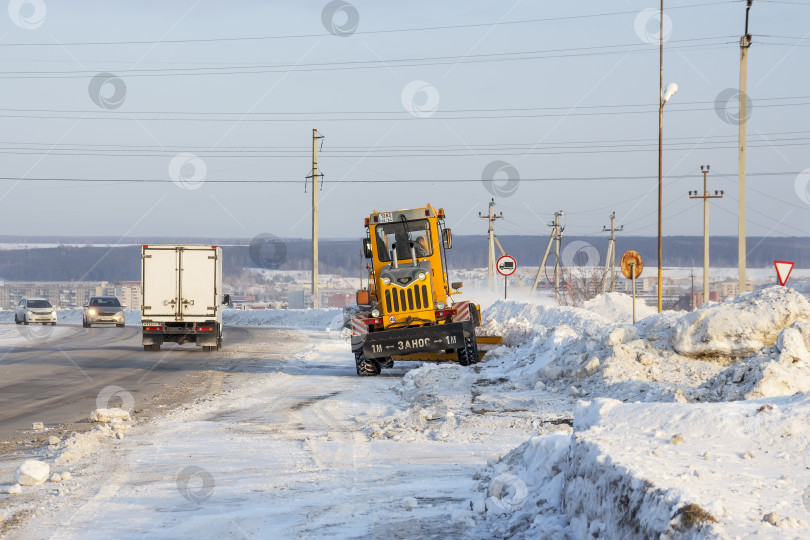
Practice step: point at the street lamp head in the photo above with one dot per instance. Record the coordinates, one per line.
(669, 91)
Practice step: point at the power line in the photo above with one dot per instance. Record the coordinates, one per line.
(368, 181)
(353, 65)
(403, 116)
(359, 32)
(449, 147)
(399, 111)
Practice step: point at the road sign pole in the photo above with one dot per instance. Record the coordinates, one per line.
(505, 279)
(633, 272)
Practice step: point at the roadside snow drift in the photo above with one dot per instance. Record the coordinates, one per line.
(740, 327)
(635, 467)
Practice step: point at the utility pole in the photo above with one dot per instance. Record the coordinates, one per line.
(692, 299)
(491, 233)
(556, 234)
(611, 254)
(314, 176)
(745, 43)
(705, 196)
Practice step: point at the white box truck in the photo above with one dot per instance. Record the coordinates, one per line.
(181, 296)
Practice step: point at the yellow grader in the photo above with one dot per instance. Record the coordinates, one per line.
(408, 311)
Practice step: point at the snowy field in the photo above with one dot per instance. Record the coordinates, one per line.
(582, 425)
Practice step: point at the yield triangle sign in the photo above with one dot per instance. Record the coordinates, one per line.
(783, 269)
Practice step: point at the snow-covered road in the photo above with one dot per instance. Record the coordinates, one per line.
(295, 446)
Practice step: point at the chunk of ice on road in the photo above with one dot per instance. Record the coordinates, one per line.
(37, 426)
(32, 473)
(15, 489)
(106, 415)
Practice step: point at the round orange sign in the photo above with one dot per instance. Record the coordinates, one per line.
(632, 257)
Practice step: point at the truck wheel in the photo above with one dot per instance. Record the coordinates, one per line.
(388, 364)
(366, 367)
(85, 324)
(469, 354)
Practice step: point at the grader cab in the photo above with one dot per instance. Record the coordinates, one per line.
(408, 311)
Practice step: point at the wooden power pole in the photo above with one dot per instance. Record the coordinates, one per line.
(315, 294)
(491, 234)
(745, 43)
(705, 196)
(611, 254)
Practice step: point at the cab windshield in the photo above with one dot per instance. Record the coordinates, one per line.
(402, 233)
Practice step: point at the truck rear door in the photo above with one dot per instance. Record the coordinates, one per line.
(198, 278)
(160, 282)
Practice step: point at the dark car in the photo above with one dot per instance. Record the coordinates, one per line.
(103, 310)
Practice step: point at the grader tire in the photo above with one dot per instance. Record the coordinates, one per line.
(366, 367)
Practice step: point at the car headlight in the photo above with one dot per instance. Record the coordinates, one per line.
(375, 313)
(30, 313)
(440, 305)
(421, 276)
(53, 312)
(386, 281)
(91, 311)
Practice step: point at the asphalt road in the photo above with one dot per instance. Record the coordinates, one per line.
(56, 376)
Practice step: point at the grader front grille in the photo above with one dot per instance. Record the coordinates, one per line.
(412, 298)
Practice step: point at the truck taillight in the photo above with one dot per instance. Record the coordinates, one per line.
(372, 321)
(153, 328)
(445, 313)
(205, 329)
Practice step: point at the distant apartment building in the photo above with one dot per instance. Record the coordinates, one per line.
(70, 294)
(128, 293)
(730, 289)
(63, 294)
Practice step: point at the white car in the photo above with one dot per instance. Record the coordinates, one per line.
(35, 310)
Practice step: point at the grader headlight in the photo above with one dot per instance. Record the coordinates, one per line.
(421, 276)
(386, 280)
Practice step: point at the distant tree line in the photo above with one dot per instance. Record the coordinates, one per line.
(344, 257)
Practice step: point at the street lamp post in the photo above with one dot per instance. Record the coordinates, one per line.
(669, 91)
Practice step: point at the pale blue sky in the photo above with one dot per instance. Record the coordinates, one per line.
(562, 110)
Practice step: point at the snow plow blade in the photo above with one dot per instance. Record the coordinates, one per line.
(485, 344)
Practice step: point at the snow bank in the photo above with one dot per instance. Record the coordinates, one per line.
(689, 470)
(637, 467)
(619, 307)
(316, 319)
(671, 356)
(741, 326)
(107, 415)
(519, 496)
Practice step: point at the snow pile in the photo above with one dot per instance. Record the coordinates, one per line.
(318, 319)
(107, 415)
(781, 370)
(32, 473)
(79, 445)
(583, 353)
(648, 469)
(520, 496)
(739, 327)
(722, 471)
(619, 307)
